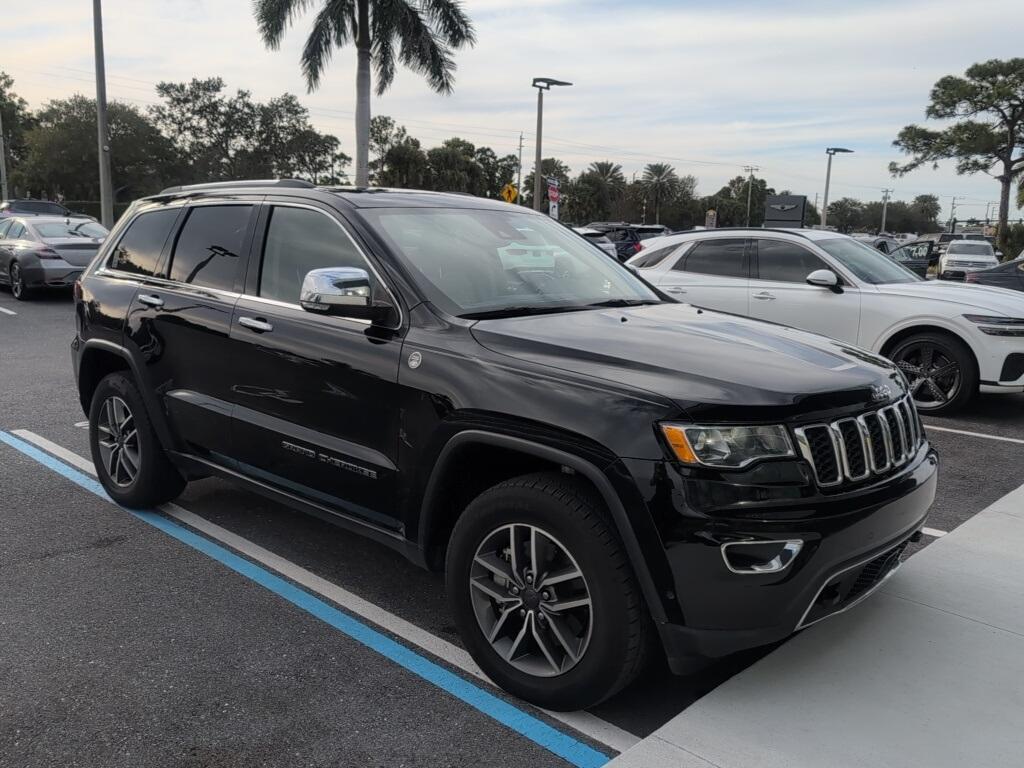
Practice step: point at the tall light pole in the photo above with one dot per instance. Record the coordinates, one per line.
(541, 84)
(830, 151)
(750, 183)
(102, 134)
(3, 161)
(885, 207)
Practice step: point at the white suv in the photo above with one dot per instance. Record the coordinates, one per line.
(951, 340)
(964, 256)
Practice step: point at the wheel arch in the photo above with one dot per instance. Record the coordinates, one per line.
(440, 508)
(100, 358)
(896, 336)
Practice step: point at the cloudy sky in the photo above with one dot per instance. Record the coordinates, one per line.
(708, 87)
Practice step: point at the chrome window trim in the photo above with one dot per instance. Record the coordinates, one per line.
(369, 263)
(286, 305)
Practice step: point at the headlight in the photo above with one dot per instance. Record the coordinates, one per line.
(997, 325)
(729, 447)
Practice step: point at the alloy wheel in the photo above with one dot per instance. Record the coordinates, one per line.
(531, 600)
(17, 284)
(119, 442)
(935, 377)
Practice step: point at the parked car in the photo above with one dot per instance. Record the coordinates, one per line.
(599, 239)
(597, 468)
(883, 243)
(962, 256)
(647, 231)
(917, 256)
(623, 235)
(45, 251)
(950, 340)
(1007, 275)
(30, 207)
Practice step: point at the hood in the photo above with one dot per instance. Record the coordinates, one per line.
(697, 358)
(999, 301)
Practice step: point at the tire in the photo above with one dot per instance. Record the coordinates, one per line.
(937, 395)
(19, 290)
(610, 639)
(154, 480)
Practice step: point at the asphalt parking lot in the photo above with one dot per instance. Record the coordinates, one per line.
(147, 640)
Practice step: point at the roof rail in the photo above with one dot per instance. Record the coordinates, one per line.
(294, 183)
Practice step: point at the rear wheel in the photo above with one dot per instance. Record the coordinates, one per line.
(18, 288)
(130, 462)
(941, 370)
(543, 595)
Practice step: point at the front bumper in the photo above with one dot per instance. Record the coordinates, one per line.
(724, 611)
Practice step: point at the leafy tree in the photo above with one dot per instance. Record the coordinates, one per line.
(60, 152)
(453, 167)
(419, 35)
(988, 104)
(495, 172)
(17, 121)
(845, 213)
(661, 182)
(928, 209)
(406, 165)
(384, 134)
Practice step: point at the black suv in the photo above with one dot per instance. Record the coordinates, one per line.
(626, 237)
(602, 472)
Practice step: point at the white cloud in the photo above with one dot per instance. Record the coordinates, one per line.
(731, 83)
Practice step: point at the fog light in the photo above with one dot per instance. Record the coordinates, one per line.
(757, 557)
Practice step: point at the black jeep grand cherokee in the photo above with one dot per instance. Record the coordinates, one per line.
(601, 471)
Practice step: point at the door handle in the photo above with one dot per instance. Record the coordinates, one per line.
(764, 296)
(254, 324)
(151, 300)
(675, 289)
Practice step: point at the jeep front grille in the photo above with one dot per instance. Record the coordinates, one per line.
(853, 449)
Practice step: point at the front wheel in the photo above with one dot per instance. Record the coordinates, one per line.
(543, 594)
(941, 371)
(130, 462)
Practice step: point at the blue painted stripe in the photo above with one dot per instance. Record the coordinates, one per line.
(572, 750)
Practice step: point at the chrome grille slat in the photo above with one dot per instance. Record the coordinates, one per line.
(855, 448)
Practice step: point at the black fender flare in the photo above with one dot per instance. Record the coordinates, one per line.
(149, 397)
(589, 470)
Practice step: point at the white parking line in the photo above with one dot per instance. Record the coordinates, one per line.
(82, 424)
(935, 533)
(584, 722)
(7, 311)
(976, 434)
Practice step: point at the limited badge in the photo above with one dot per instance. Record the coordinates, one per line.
(415, 359)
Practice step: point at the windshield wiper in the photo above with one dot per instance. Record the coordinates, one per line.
(625, 303)
(522, 311)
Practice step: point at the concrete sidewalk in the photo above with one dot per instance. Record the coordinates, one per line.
(928, 672)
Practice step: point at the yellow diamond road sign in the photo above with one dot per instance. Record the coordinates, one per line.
(509, 193)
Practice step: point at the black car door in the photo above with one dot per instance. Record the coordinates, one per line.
(317, 399)
(180, 321)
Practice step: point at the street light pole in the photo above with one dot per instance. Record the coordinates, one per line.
(830, 151)
(541, 84)
(885, 206)
(102, 134)
(750, 183)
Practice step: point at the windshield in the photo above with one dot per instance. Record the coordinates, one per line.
(871, 266)
(59, 229)
(480, 263)
(972, 248)
(36, 206)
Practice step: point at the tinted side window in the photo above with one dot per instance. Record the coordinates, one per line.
(617, 235)
(139, 248)
(716, 257)
(17, 231)
(5, 224)
(654, 257)
(785, 262)
(209, 246)
(298, 241)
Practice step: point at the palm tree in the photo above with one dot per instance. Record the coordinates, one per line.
(420, 34)
(661, 181)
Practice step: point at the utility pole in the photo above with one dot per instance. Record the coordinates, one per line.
(750, 183)
(885, 206)
(519, 174)
(102, 134)
(3, 161)
(952, 215)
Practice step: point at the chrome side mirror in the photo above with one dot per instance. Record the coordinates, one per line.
(825, 278)
(341, 291)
